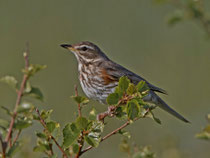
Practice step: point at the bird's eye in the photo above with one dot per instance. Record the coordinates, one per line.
(84, 48)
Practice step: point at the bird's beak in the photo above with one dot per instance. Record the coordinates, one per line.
(68, 46)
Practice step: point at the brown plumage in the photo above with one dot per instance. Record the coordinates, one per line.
(99, 76)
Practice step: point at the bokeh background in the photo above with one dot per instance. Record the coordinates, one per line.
(132, 33)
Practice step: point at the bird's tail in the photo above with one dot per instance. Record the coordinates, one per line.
(159, 102)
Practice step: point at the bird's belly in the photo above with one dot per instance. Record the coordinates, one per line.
(97, 91)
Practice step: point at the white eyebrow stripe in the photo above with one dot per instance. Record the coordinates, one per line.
(89, 47)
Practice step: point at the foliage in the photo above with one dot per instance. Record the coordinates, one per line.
(188, 9)
(135, 151)
(125, 104)
(22, 116)
(205, 133)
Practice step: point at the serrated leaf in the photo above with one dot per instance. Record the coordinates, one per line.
(14, 149)
(112, 99)
(81, 123)
(131, 89)
(92, 115)
(51, 125)
(123, 84)
(10, 80)
(133, 109)
(70, 134)
(80, 99)
(94, 136)
(35, 93)
(21, 124)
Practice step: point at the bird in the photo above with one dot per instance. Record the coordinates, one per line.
(99, 75)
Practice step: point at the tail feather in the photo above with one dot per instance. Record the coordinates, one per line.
(159, 102)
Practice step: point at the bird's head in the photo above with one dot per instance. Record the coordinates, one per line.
(85, 51)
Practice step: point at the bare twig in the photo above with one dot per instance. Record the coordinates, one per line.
(79, 106)
(44, 125)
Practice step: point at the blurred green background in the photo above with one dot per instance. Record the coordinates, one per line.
(132, 33)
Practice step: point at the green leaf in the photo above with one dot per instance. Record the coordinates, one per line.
(25, 107)
(144, 152)
(92, 114)
(142, 86)
(121, 112)
(33, 69)
(4, 123)
(7, 110)
(94, 136)
(10, 80)
(51, 125)
(80, 99)
(14, 149)
(176, 17)
(112, 99)
(204, 134)
(82, 123)
(131, 89)
(124, 146)
(151, 115)
(35, 93)
(27, 87)
(125, 133)
(41, 148)
(75, 148)
(21, 124)
(70, 134)
(41, 135)
(133, 109)
(123, 84)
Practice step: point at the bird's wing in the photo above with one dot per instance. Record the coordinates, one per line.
(116, 71)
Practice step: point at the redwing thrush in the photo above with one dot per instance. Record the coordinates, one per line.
(99, 76)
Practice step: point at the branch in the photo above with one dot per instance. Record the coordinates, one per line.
(44, 125)
(18, 100)
(116, 131)
(81, 139)
(16, 138)
(79, 106)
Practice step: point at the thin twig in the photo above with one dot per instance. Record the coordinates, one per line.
(55, 141)
(16, 138)
(79, 106)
